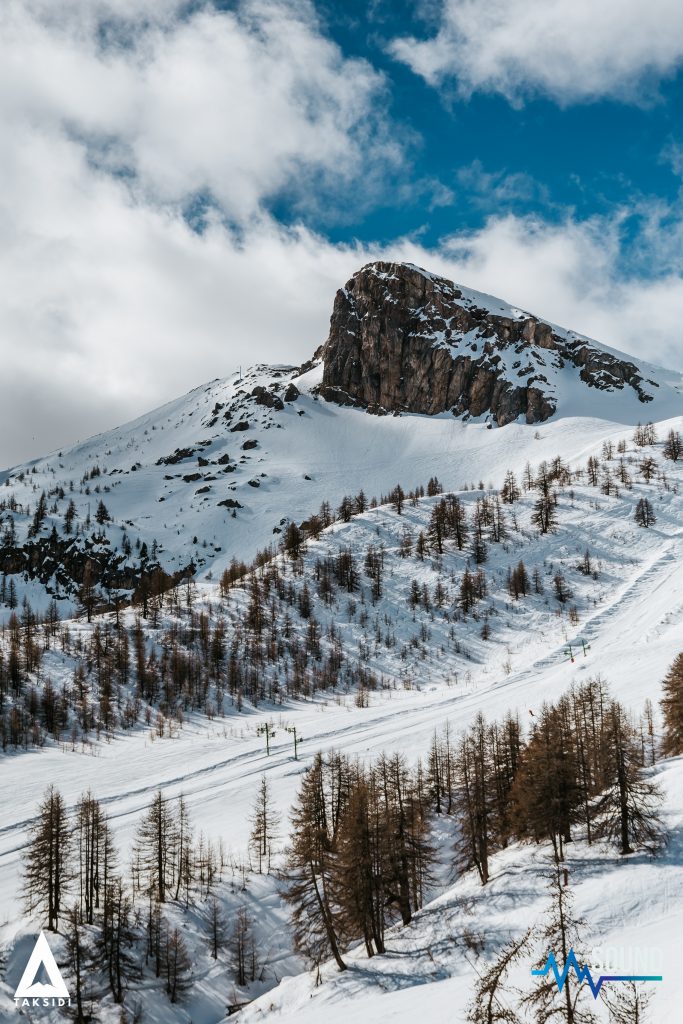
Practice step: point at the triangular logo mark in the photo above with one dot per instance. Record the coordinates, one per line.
(41, 957)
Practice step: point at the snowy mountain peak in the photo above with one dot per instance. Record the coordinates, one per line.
(405, 340)
(221, 471)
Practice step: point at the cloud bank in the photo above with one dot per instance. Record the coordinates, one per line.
(568, 50)
(143, 144)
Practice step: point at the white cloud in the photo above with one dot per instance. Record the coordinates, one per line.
(572, 273)
(111, 304)
(672, 154)
(110, 307)
(498, 189)
(117, 115)
(241, 104)
(570, 50)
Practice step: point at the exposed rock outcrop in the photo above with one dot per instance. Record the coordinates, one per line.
(60, 564)
(404, 340)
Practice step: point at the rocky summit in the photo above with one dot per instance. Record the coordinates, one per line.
(405, 340)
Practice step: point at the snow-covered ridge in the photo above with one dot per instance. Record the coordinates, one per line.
(403, 339)
(219, 472)
(471, 298)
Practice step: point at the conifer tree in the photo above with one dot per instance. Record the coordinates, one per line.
(627, 1003)
(456, 520)
(47, 864)
(102, 514)
(498, 524)
(537, 580)
(374, 565)
(359, 868)
(216, 927)
(467, 592)
(69, 517)
(510, 492)
(672, 709)
(437, 526)
(491, 1003)
(345, 510)
(397, 498)
(628, 805)
(474, 795)
(293, 541)
(154, 849)
(79, 961)
(96, 855)
(38, 516)
(645, 514)
(673, 448)
(505, 747)
(545, 792)
(177, 967)
(182, 847)
(243, 949)
(440, 772)
(87, 593)
(560, 933)
(407, 854)
(479, 550)
(309, 871)
(518, 581)
(264, 825)
(593, 470)
(544, 515)
(117, 937)
(360, 503)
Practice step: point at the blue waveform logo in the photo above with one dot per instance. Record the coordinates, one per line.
(584, 974)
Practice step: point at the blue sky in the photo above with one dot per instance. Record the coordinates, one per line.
(470, 158)
(184, 184)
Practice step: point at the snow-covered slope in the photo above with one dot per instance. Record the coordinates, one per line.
(632, 617)
(633, 911)
(218, 472)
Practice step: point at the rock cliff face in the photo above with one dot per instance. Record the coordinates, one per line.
(60, 563)
(404, 340)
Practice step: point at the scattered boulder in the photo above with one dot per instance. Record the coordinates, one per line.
(267, 398)
(178, 456)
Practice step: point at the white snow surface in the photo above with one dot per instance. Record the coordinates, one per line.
(632, 616)
(310, 451)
